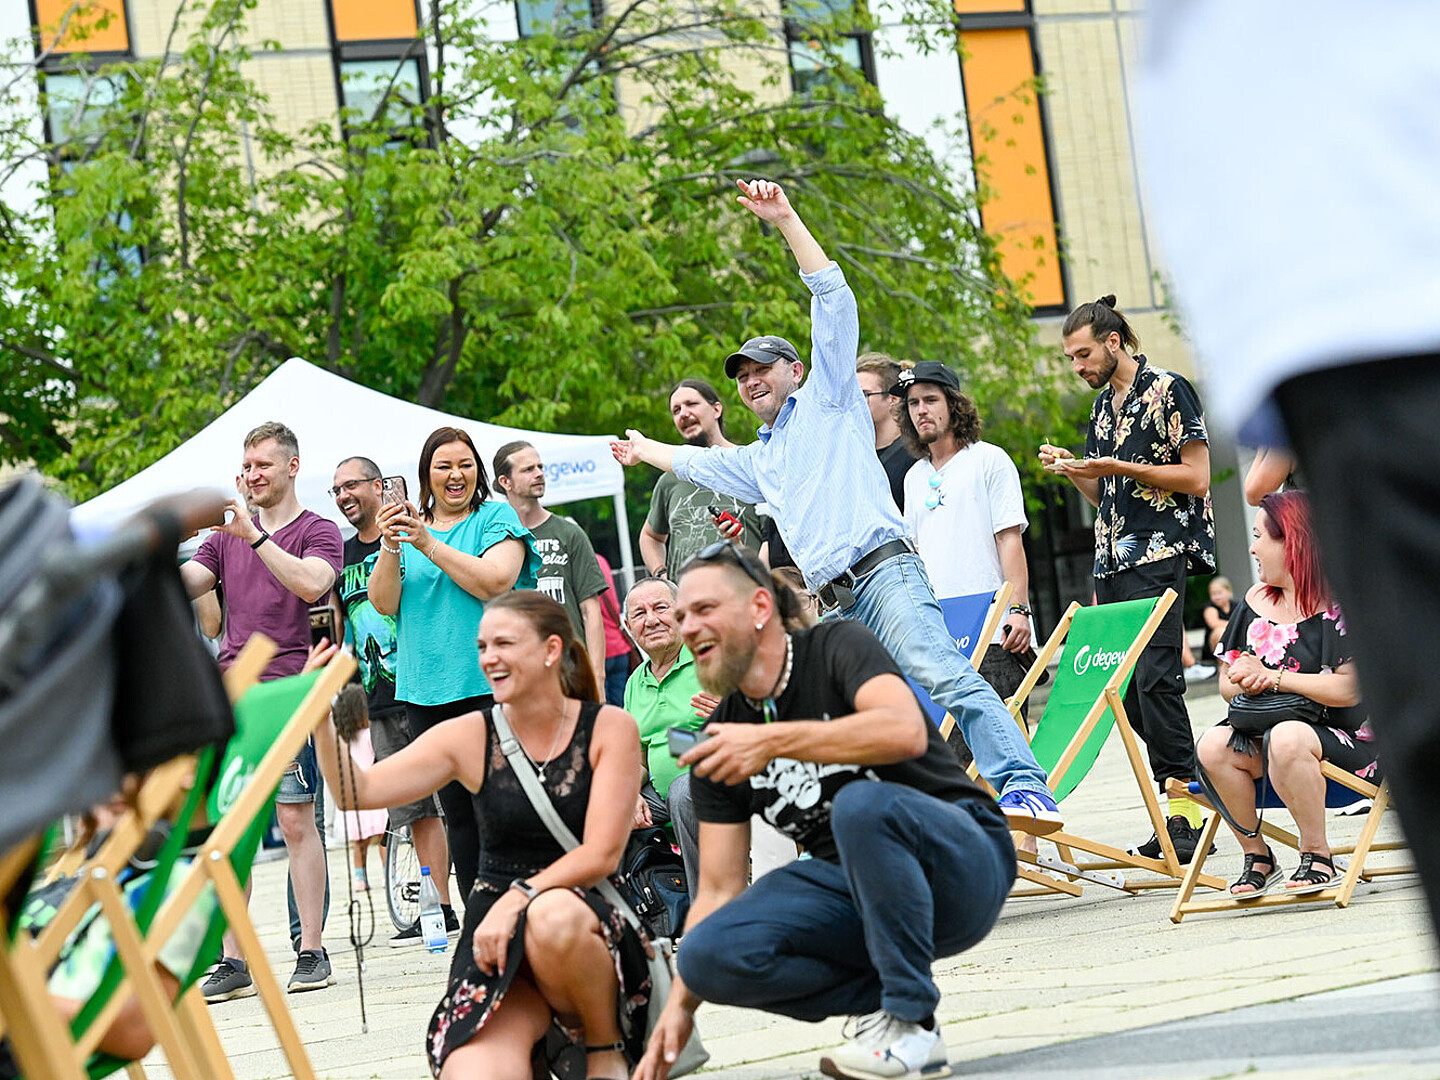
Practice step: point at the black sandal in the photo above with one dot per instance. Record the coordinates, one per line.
(1258, 881)
(1311, 876)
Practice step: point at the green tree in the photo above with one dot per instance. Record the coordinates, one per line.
(547, 239)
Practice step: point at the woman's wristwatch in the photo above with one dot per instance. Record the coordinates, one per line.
(525, 889)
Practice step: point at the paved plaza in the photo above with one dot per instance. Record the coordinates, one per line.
(1103, 985)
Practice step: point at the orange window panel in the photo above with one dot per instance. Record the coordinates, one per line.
(1003, 111)
(374, 20)
(83, 29)
(988, 7)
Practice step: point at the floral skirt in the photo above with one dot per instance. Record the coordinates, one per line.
(472, 996)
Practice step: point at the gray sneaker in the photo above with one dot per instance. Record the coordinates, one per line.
(312, 972)
(230, 979)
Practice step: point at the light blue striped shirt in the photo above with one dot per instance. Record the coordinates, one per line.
(816, 465)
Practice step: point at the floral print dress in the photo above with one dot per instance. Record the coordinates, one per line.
(515, 843)
(1316, 645)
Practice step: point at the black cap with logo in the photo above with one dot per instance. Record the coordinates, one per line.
(931, 371)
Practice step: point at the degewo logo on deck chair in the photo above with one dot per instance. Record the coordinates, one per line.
(1085, 659)
(232, 782)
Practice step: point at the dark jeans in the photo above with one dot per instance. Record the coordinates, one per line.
(461, 829)
(1155, 698)
(917, 879)
(1366, 436)
(617, 673)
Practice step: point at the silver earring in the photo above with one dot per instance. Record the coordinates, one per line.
(547, 663)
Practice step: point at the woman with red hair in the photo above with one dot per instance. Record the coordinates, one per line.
(1286, 637)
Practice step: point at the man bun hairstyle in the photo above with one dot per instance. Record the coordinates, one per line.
(549, 619)
(273, 429)
(1103, 320)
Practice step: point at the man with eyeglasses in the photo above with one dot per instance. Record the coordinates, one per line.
(819, 734)
(965, 510)
(877, 373)
(372, 636)
(849, 542)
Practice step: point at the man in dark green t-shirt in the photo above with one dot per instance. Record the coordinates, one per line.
(679, 523)
(569, 573)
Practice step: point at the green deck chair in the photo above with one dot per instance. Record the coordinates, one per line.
(1101, 645)
(273, 720)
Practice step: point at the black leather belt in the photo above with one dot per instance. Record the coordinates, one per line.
(840, 592)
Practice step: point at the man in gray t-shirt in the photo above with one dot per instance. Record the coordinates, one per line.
(679, 523)
(569, 574)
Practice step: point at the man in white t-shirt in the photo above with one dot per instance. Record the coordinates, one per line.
(965, 511)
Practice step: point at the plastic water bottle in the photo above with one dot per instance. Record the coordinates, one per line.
(432, 919)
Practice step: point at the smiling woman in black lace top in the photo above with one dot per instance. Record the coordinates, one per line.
(544, 964)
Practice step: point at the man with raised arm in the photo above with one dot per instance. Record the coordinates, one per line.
(851, 545)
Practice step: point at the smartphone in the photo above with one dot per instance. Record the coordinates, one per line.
(392, 490)
(322, 624)
(683, 739)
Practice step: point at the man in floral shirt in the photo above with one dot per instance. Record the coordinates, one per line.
(1147, 472)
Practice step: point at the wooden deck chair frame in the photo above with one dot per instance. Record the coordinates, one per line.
(987, 632)
(1344, 887)
(212, 866)
(25, 965)
(1111, 862)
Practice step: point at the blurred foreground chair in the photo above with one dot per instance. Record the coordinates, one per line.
(1101, 645)
(1341, 789)
(185, 902)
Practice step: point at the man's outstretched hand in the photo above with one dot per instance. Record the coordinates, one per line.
(765, 199)
(627, 450)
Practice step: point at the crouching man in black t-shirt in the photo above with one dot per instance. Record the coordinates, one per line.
(819, 733)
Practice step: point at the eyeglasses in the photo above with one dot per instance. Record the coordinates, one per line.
(724, 549)
(935, 498)
(875, 393)
(350, 485)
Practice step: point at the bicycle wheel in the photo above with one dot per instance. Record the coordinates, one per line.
(402, 879)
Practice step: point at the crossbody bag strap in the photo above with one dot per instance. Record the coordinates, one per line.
(540, 800)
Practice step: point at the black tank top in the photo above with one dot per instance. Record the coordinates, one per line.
(514, 841)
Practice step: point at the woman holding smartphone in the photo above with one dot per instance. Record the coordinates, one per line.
(437, 567)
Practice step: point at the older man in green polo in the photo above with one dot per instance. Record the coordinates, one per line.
(662, 693)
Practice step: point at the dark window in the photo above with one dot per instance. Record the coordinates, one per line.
(823, 34)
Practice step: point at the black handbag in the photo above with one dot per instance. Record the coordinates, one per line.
(652, 878)
(1255, 714)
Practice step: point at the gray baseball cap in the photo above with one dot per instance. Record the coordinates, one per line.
(765, 349)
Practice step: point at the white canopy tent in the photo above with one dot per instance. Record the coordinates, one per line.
(334, 418)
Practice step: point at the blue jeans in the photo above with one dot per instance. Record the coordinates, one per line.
(617, 674)
(918, 879)
(896, 601)
(304, 778)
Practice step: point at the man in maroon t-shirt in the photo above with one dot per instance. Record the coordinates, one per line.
(273, 566)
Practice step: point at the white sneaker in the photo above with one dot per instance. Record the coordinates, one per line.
(883, 1047)
(1198, 672)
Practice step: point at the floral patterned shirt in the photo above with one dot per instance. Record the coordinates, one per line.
(1314, 646)
(1135, 523)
